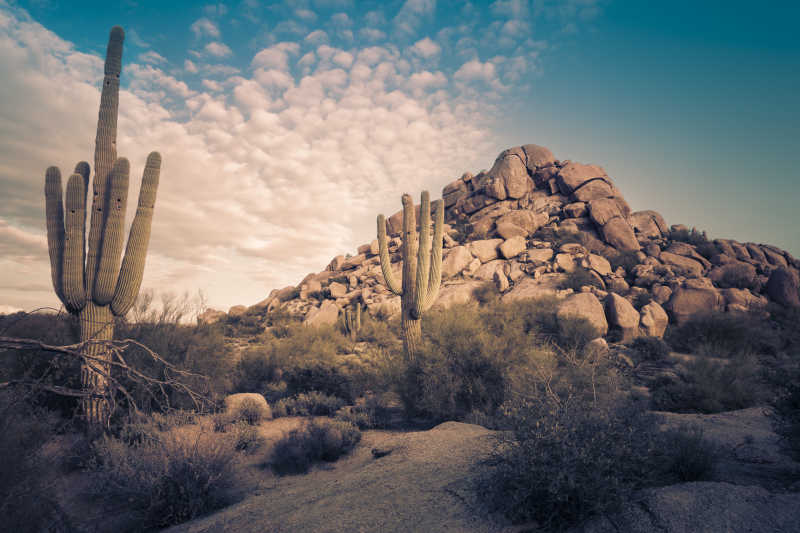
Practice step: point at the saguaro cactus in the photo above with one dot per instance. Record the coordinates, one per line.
(92, 285)
(352, 320)
(422, 270)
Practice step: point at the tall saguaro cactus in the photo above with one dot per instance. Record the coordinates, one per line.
(422, 270)
(90, 281)
(352, 320)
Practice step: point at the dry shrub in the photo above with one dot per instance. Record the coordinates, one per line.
(321, 440)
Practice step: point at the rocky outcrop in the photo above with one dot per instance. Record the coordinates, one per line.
(584, 305)
(532, 220)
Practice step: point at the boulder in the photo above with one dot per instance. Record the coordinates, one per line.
(574, 175)
(233, 402)
(593, 190)
(575, 209)
(527, 220)
(539, 255)
(457, 293)
(686, 266)
(501, 281)
(661, 293)
(210, 316)
(653, 320)
(604, 209)
(584, 305)
(336, 263)
(485, 249)
(354, 262)
(508, 230)
(743, 299)
(756, 252)
(512, 247)
(530, 288)
(537, 156)
(690, 301)
(487, 270)
(782, 288)
(565, 262)
(620, 235)
(648, 224)
(456, 260)
(599, 264)
(510, 171)
(773, 257)
(237, 310)
(337, 289)
(325, 314)
(622, 315)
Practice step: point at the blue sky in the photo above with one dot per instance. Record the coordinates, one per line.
(286, 126)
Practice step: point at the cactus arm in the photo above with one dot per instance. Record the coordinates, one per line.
(386, 264)
(105, 152)
(358, 317)
(74, 244)
(423, 255)
(132, 270)
(435, 274)
(113, 234)
(54, 213)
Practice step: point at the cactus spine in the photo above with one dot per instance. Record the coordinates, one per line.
(91, 283)
(352, 320)
(422, 270)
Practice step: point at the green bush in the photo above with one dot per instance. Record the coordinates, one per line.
(725, 335)
(321, 440)
(711, 387)
(167, 480)
(564, 463)
(580, 277)
(693, 237)
(374, 413)
(708, 250)
(739, 277)
(486, 293)
(319, 376)
(256, 368)
(650, 348)
(308, 404)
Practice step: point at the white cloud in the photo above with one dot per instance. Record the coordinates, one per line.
(306, 14)
(152, 56)
(276, 56)
(218, 49)
(371, 34)
(476, 71)
(317, 37)
(411, 15)
(262, 182)
(205, 28)
(425, 48)
(189, 66)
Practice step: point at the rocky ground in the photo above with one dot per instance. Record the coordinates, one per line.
(425, 483)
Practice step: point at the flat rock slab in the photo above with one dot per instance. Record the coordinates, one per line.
(423, 485)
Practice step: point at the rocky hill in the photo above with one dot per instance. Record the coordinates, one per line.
(526, 225)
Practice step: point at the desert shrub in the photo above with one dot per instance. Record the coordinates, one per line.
(711, 387)
(690, 456)
(25, 474)
(167, 480)
(565, 462)
(627, 260)
(574, 333)
(256, 368)
(308, 404)
(246, 324)
(221, 422)
(650, 348)
(738, 277)
(246, 437)
(319, 376)
(374, 413)
(275, 391)
(785, 411)
(694, 237)
(486, 293)
(321, 440)
(379, 333)
(580, 277)
(725, 335)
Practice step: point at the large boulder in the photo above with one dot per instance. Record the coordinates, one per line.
(512, 247)
(234, 403)
(621, 315)
(591, 190)
(602, 210)
(686, 266)
(782, 288)
(325, 314)
(653, 320)
(537, 156)
(509, 176)
(692, 300)
(619, 234)
(485, 249)
(457, 293)
(527, 220)
(584, 305)
(456, 261)
(573, 175)
(530, 289)
(649, 224)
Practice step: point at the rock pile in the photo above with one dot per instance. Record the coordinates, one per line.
(530, 221)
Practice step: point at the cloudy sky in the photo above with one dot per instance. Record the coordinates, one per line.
(285, 127)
